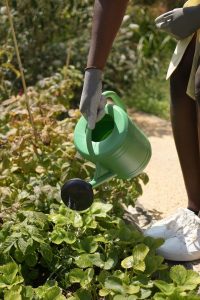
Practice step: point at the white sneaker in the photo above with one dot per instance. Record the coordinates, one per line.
(181, 233)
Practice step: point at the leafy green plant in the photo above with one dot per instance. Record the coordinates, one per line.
(48, 40)
(48, 251)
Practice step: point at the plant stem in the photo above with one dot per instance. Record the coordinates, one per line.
(21, 72)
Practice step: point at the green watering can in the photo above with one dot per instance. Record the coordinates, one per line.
(116, 146)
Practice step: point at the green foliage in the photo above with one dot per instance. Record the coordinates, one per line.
(48, 251)
(48, 40)
(143, 82)
(47, 37)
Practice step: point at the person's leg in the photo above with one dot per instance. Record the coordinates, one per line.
(185, 129)
(197, 96)
(181, 230)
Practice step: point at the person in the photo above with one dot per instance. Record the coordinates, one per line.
(181, 231)
(107, 18)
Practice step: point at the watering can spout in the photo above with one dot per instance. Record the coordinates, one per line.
(101, 176)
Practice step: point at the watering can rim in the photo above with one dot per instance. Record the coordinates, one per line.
(124, 124)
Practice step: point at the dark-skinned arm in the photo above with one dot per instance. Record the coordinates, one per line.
(108, 16)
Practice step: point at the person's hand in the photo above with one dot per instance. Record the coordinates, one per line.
(92, 102)
(180, 22)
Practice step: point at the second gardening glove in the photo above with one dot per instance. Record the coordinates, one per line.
(180, 22)
(92, 102)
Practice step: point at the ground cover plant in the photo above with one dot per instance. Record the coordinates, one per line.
(48, 251)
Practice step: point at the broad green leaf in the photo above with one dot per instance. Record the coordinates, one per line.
(83, 295)
(4, 283)
(153, 243)
(49, 291)
(97, 259)
(153, 263)
(83, 261)
(120, 297)
(88, 244)
(139, 266)
(80, 276)
(38, 237)
(178, 274)
(13, 294)
(102, 276)
(124, 233)
(8, 243)
(76, 275)
(46, 252)
(192, 277)
(27, 293)
(89, 274)
(177, 296)
(114, 284)
(101, 238)
(70, 237)
(166, 288)
(112, 259)
(139, 253)
(31, 259)
(129, 235)
(89, 221)
(127, 263)
(52, 293)
(191, 282)
(60, 235)
(132, 289)
(77, 222)
(22, 245)
(142, 280)
(159, 296)
(144, 293)
(58, 219)
(9, 272)
(18, 255)
(104, 292)
(100, 209)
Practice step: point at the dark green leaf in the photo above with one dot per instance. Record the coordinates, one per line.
(114, 284)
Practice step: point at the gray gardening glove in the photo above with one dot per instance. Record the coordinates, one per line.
(92, 102)
(180, 22)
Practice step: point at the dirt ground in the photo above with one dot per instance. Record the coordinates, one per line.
(165, 191)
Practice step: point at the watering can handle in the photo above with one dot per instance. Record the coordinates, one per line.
(102, 175)
(116, 99)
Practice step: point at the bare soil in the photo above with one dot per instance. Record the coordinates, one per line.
(165, 191)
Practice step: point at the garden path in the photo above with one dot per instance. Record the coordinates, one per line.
(165, 191)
